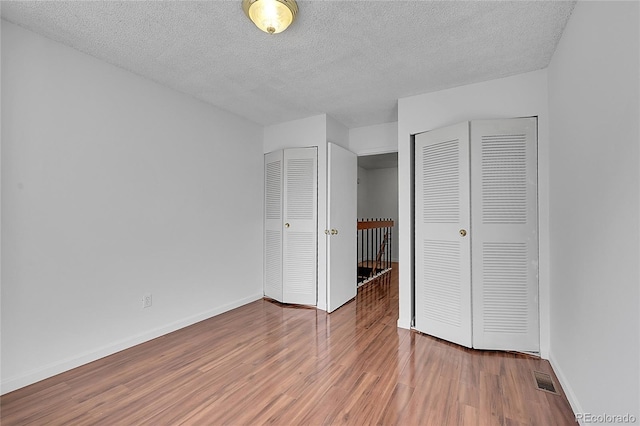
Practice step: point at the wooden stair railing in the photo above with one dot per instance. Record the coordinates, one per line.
(374, 234)
(377, 263)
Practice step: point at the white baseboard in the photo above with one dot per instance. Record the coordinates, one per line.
(566, 386)
(50, 370)
(404, 323)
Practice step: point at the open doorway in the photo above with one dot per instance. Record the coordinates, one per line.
(377, 203)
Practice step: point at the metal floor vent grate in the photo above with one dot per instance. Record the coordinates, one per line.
(544, 382)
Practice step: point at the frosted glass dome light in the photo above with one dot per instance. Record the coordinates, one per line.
(271, 16)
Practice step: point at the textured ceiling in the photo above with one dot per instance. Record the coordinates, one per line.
(349, 59)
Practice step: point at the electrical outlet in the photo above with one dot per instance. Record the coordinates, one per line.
(147, 300)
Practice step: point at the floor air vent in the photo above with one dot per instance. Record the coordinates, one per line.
(544, 382)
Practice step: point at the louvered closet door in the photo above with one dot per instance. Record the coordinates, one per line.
(300, 226)
(273, 172)
(505, 234)
(443, 293)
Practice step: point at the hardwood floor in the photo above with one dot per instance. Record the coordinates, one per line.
(270, 363)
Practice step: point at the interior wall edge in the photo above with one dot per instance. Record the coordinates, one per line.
(404, 323)
(566, 386)
(375, 151)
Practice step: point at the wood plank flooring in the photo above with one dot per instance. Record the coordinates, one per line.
(270, 363)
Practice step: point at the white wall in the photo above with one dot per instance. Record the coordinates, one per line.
(594, 208)
(337, 133)
(310, 131)
(112, 187)
(377, 139)
(522, 95)
(1, 173)
(363, 192)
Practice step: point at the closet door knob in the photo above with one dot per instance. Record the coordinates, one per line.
(463, 232)
(334, 231)
(286, 225)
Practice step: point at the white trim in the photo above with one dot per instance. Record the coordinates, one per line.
(50, 370)
(566, 387)
(404, 323)
(375, 151)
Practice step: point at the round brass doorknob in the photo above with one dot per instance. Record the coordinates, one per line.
(334, 231)
(463, 232)
(286, 225)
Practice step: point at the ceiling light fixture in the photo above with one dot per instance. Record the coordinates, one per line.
(271, 16)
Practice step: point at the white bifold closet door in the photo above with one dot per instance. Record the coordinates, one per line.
(504, 221)
(476, 234)
(443, 268)
(291, 216)
(273, 224)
